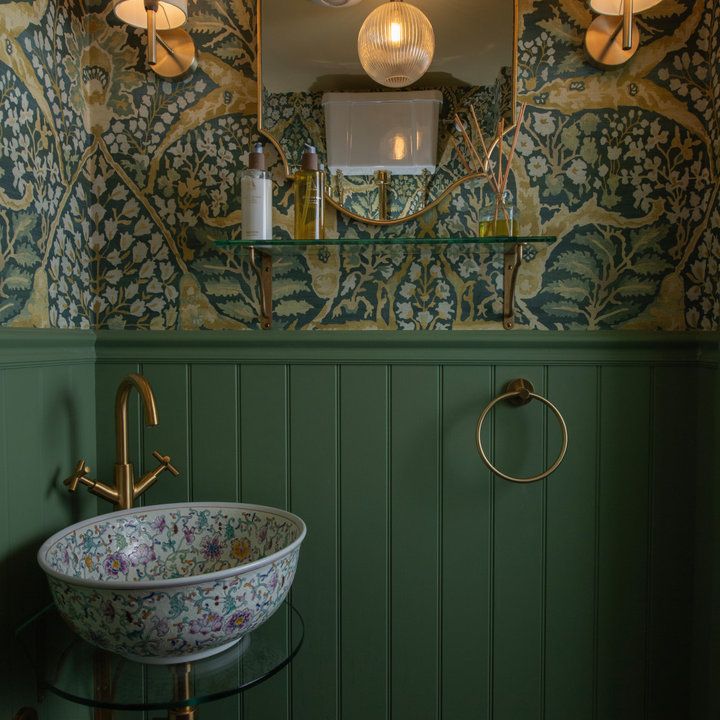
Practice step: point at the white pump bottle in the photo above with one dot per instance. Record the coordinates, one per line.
(256, 198)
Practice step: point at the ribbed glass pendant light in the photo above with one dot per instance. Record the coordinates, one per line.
(396, 44)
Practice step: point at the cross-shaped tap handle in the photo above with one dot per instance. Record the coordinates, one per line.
(165, 460)
(81, 470)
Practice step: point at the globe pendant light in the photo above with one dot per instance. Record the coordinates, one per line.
(396, 44)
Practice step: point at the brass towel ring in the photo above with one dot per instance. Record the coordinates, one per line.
(521, 392)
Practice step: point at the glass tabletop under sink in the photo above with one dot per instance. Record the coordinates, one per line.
(77, 671)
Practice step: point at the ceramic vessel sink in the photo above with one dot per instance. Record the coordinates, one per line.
(173, 583)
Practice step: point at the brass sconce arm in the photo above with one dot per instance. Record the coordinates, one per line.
(628, 24)
(149, 478)
(151, 8)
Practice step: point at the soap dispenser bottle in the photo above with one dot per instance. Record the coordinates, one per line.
(309, 198)
(256, 198)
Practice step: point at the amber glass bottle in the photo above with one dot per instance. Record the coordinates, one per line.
(309, 198)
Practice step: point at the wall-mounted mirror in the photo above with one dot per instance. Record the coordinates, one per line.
(389, 153)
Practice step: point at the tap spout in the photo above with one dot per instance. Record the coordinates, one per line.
(121, 406)
(126, 489)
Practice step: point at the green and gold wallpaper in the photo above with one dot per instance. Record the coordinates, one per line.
(114, 185)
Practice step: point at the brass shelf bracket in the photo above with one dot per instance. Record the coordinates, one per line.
(261, 262)
(513, 261)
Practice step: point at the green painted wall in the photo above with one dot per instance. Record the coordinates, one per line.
(431, 590)
(47, 422)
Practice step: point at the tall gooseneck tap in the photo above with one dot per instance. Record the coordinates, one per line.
(126, 489)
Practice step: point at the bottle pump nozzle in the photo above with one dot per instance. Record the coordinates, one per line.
(309, 158)
(257, 158)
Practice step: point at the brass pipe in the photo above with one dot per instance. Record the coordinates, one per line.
(182, 689)
(121, 405)
(628, 24)
(124, 475)
(152, 35)
(382, 178)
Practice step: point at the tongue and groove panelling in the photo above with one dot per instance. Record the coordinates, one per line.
(429, 588)
(47, 409)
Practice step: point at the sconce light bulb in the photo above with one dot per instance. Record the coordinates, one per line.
(169, 14)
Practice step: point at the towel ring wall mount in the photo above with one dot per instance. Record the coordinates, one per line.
(520, 392)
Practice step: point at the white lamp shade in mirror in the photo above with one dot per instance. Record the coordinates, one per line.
(170, 13)
(617, 7)
(396, 44)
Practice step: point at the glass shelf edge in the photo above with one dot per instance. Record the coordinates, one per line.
(296, 245)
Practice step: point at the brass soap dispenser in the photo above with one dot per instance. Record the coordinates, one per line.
(309, 198)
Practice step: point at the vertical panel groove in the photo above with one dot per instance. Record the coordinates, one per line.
(439, 600)
(647, 679)
(288, 495)
(388, 552)
(242, 704)
(4, 548)
(544, 542)
(338, 547)
(491, 562)
(596, 588)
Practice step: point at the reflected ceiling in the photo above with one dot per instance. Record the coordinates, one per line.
(319, 44)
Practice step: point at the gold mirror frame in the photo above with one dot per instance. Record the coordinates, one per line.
(329, 200)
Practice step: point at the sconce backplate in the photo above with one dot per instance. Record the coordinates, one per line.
(603, 42)
(176, 54)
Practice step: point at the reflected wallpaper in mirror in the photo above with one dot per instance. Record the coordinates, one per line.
(309, 49)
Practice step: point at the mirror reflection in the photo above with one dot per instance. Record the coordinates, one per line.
(375, 89)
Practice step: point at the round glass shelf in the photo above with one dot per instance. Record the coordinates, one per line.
(77, 671)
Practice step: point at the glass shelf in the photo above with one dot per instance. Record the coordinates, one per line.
(263, 252)
(77, 671)
(287, 247)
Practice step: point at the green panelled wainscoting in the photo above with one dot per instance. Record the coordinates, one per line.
(429, 589)
(47, 421)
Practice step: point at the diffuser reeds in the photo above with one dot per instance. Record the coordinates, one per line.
(474, 154)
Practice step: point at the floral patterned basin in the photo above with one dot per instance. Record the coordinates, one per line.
(173, 583)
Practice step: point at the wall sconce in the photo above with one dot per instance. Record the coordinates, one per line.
(170, 50)
(612, 38)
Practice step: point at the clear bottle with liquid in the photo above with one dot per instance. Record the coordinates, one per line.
(500, 218)
(256, 198)
(309, 198)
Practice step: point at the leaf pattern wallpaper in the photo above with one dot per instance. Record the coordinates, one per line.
(114, 186)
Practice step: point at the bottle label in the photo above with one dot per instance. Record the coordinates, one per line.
(256, 199)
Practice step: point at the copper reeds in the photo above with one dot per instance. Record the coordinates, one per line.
(479, 153)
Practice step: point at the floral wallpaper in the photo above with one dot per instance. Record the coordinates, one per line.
(114, 186)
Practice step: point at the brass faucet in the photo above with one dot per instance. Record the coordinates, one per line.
(126, 489)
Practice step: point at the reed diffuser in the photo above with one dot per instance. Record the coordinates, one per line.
(500, 218)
